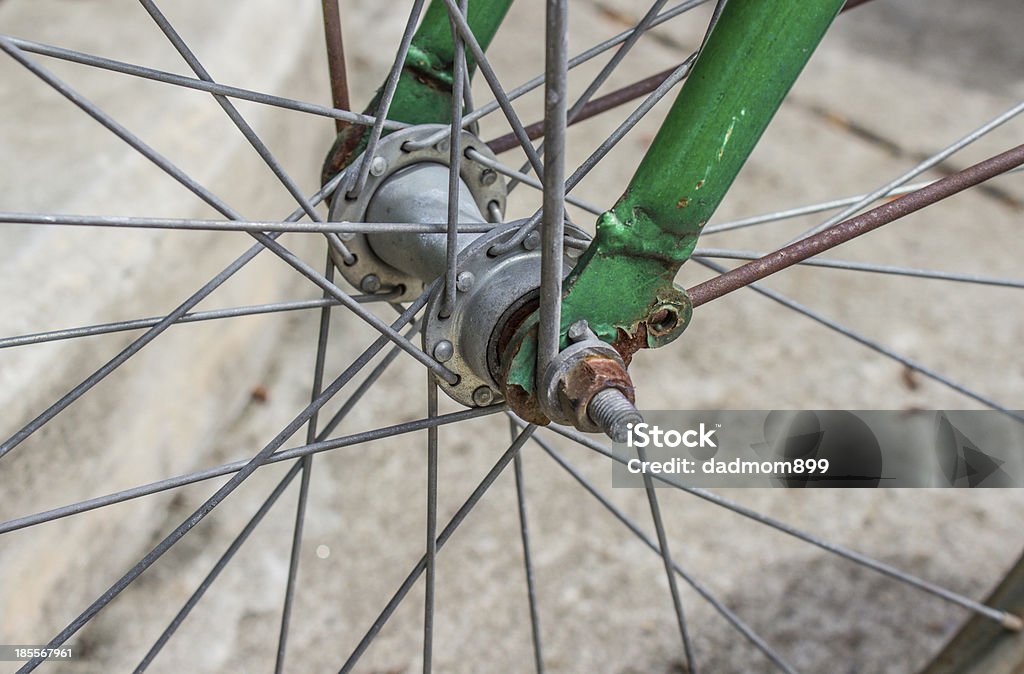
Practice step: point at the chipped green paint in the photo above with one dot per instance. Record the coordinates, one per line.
(749, 63)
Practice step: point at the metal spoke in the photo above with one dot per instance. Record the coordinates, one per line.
(446, 533)
(249, 226)
(365, 386)
(524, 534)
(223, 492)
(431, 554)
(1004, 618)
(197, 84)
(815, 208)
(375, 322)
(117, 129)
(232, 112)
(152, 333)
(459, 80)
(215, 202)
(306, 464)
(856, 226)
(549, 334)
(928, 163)
(359, 179)
(198, 316)
(530, 85)
(321, 445)
(228, 555)
(864, 266)
(528, 180)
(335, 57)
(211, 199)
(240, 539)
(604, 148)
(627, 125)
(871, 344)
(492, 81)
(601, 77)
(722, 609)
(666, 557)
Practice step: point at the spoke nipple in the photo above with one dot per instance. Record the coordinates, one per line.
(370, 283)
(488, 176)
(483, 396)
(443, 351)
(464, 281)
(578, 330)
(1012, 622)
(532, 240)
(378, 166)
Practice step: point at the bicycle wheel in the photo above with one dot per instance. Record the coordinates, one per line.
(201, 399)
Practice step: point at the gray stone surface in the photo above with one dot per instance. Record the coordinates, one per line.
(894, 80)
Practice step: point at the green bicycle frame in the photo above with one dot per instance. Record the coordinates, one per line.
(623, 285)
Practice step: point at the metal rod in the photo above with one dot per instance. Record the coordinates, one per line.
(849, 229)
(1001, 617)
(577, 60)
(218, 496)
(388, 95)
(606, 71)
(446, 533)
(306, 464)
(198, 316)
(190, 224)
(722, 609)
(549, 336)
(197, 84)
(236, 118)
(872, 344)
(459, 76)
(222, 562)
(666, 557)
(866, 267)
(431, 553)
(336, 57)
(495, 85)
(524, 534)
(812, 208)
(923, 166)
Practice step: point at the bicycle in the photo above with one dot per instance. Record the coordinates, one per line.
(479, 368)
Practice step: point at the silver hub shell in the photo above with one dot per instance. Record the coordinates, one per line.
(370, 268)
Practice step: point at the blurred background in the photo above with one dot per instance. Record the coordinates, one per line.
(894, 81)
